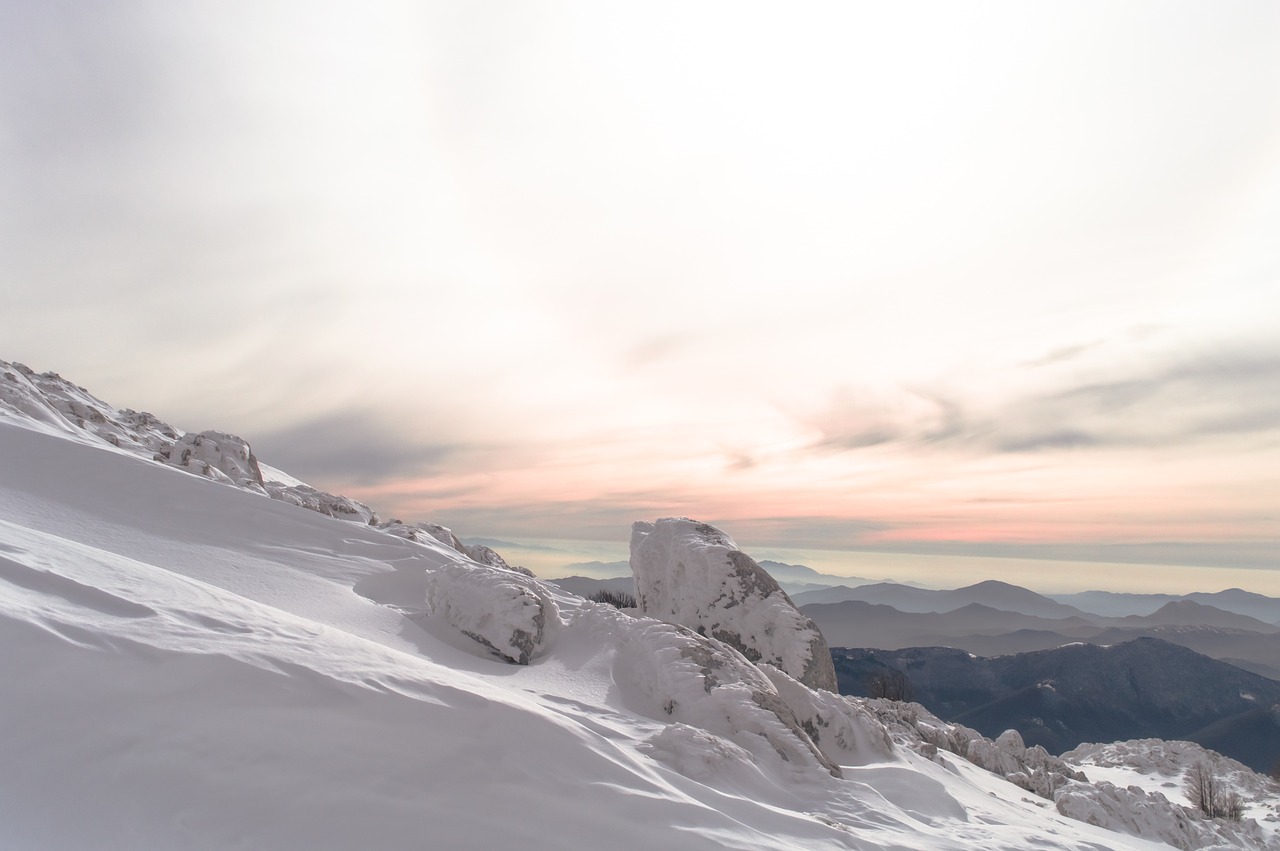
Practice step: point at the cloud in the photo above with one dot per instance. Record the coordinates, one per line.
(862, 417)
(609, 518)
(1178, 400)
(350, 447)
(1062, 355)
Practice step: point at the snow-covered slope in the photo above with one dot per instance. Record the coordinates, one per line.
(188, 664)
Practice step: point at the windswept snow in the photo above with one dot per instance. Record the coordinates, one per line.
(190, 665)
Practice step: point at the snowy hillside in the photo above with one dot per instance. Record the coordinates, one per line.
(190, 664)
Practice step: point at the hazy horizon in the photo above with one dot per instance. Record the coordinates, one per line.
(552, 558)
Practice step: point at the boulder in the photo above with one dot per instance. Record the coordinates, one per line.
(693, 574)
(219, 456)
(510, 614)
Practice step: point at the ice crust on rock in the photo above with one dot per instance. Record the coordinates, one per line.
(507, 612)
(693, 574)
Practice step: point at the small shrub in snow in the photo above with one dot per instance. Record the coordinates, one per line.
(891, 685)
(1210, 795)
(617, 599)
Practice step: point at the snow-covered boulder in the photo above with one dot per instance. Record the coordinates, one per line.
(693, 574)
(219, 456)
(508, 613)
(674, 674)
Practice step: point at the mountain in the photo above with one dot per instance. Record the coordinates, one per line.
(190, 663)
(1242, 602)
(1112, 604)
(1191, 613)
(1250, 650)
(907, 598)
(1010, 598)
(799, 574)
(854, 623)
(600, 570)
(1058, 698)
(585, 586)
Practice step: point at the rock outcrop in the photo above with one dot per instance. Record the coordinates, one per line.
(693, 574)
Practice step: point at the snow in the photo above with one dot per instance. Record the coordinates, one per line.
(190, 665)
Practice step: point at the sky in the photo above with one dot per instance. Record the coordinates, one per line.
(994, 279)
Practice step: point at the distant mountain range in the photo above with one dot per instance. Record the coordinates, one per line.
(987, 630)
(907, 598)
(794, 578)
(585, 586)
(1111, 604)
(1145, 688)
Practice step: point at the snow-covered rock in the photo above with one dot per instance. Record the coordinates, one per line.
(841, 727)
(1033, 769)
(323, 502)
(693, 574)
(508, 613)
(1162, 766)
(53, 401)
(675, 674)
(423, 532)
(1150, 815)
(219, 456)
(1171, 760)
(484, 555)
